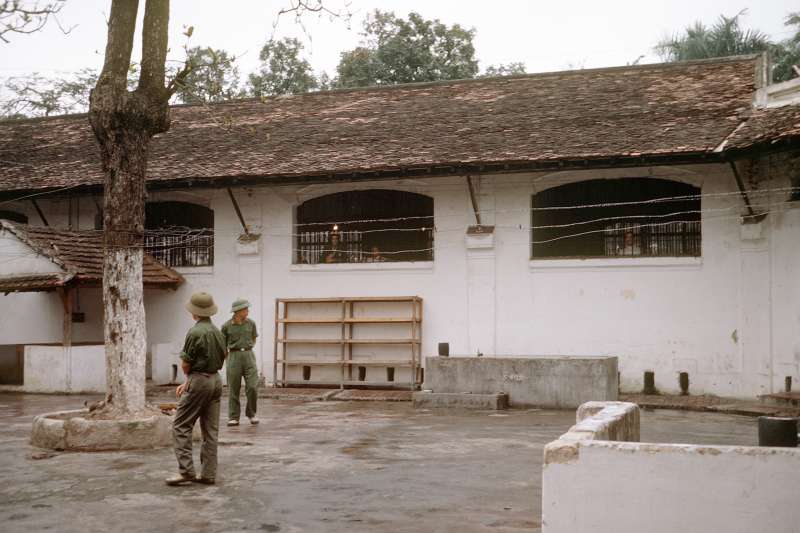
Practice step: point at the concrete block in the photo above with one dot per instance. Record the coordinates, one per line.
(495, 401)
(553, 382)
(164, 356)
(664, 487)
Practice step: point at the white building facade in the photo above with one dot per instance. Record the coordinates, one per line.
(729, 317)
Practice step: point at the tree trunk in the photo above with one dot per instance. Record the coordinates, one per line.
(123, 123)
(123, 303)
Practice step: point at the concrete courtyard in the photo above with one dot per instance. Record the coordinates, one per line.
(314, 466)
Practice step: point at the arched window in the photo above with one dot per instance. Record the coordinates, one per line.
(365, 226)
(13, 216)
(629, 217)
(180, 234)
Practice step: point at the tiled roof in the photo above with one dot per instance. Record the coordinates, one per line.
(662, 110)
(34, 282)
(767, 126)
(80, 255)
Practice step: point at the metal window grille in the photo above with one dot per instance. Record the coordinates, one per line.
(673, 239)
(191, 249)
(179, 234)
(629, 217)
(371, 226)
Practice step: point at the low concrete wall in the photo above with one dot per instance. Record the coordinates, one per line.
(70, 430)
(165, 355)
(462, 400)
(555, 382)
(57, 369)
(604, 486)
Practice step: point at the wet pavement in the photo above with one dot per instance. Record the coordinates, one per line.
(314, 466)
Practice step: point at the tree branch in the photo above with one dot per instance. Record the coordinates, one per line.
(180, 78)
(17, 18)
(155, 33)
(121, 27)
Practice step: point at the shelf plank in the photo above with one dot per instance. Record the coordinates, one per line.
(383, 341)
(380, 320)
(310, 320)
(348, 341)
(308, 362)
(311, 341)
(401, 385)
(375, 362)
(359, 320)
(356, 299)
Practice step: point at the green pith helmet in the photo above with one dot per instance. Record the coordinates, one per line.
(201, 304)
(239, 304)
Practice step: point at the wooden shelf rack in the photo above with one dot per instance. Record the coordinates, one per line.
(310, 324)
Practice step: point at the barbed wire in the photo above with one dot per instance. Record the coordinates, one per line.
(184, 238)
(182, 230)
(198, 233)
(750, 193)
(188, 240)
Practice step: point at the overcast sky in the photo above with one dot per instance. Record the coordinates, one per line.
(545, 35)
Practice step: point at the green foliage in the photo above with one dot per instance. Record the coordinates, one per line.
(396, 50)
(282, 71)
(725, 38)
(786, 54)
(504, 69)
(214, 77)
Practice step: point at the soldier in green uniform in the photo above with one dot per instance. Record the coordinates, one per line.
(240, 337)
(199, 396)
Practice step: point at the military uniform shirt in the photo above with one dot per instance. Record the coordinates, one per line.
(240, 336)
(204, 347)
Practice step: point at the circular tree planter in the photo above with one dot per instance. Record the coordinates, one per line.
(71, 430)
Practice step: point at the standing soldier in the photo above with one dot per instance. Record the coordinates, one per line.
(240, 337)
(199, 396)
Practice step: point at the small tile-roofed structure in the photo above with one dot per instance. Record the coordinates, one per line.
(767, 126)
(80, 256)
(644, 114)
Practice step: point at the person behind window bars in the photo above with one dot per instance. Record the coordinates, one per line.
(375, 255)
(332, 253)
(629, 245)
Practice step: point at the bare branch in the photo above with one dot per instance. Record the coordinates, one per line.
(302, 8)
(18, 16)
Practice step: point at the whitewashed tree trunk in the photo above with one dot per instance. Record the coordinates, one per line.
(125, 335)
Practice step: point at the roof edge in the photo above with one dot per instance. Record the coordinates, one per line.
(16, 230)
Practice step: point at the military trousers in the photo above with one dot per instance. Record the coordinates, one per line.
(240, 365)
(201, 399)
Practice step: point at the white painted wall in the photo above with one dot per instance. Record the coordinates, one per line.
(50, 368)
(623, 487)
(605, 486)
(730, 318)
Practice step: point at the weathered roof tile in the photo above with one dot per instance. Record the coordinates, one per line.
(674, 108)
(80, 255)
